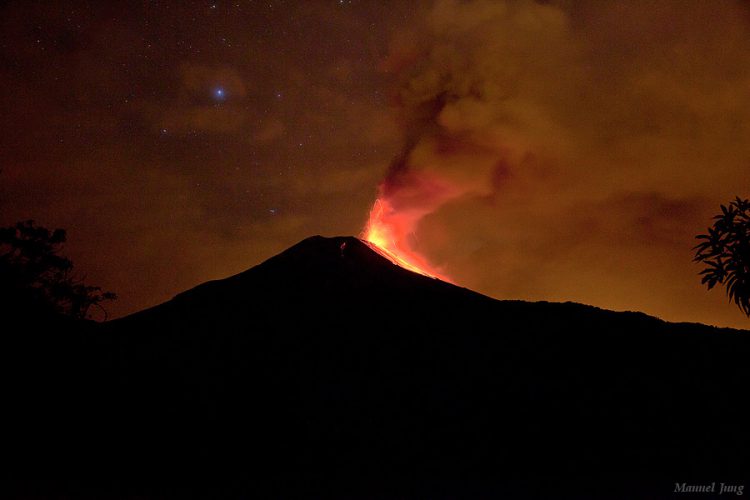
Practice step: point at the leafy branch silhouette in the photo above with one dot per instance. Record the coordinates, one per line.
(33, 271)
(725, 250)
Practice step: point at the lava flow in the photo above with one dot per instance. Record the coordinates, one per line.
(387, 233)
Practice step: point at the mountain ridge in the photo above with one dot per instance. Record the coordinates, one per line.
(329, 246)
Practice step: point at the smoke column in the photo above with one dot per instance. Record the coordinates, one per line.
(456, 94)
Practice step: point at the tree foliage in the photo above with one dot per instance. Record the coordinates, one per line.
(33, 272)
(725, 250)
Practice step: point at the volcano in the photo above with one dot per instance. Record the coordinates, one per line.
(329, 371)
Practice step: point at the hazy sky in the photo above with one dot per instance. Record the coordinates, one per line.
(585, 143)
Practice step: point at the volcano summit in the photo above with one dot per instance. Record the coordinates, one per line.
(329, 371)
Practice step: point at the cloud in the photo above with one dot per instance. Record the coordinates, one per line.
(198, 81)
(196, 108)
(570, 138)
(268, 131)
(496, 82)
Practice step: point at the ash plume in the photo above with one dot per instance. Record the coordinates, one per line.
(457, 99)
(547, 144)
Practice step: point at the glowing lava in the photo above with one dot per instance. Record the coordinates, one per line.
(387, 233)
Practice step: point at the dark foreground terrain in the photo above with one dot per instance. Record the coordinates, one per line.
(331, 373)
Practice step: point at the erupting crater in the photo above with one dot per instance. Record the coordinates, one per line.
(387, 233)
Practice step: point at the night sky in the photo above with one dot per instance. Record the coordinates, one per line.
(581, 145)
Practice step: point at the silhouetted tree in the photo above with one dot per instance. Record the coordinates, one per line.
(726, 252)
(33, 273)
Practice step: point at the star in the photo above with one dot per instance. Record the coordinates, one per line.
(219, 94)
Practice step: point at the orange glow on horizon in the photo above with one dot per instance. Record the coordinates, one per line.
(387, 233)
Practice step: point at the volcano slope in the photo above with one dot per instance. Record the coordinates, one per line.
(329, 371)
